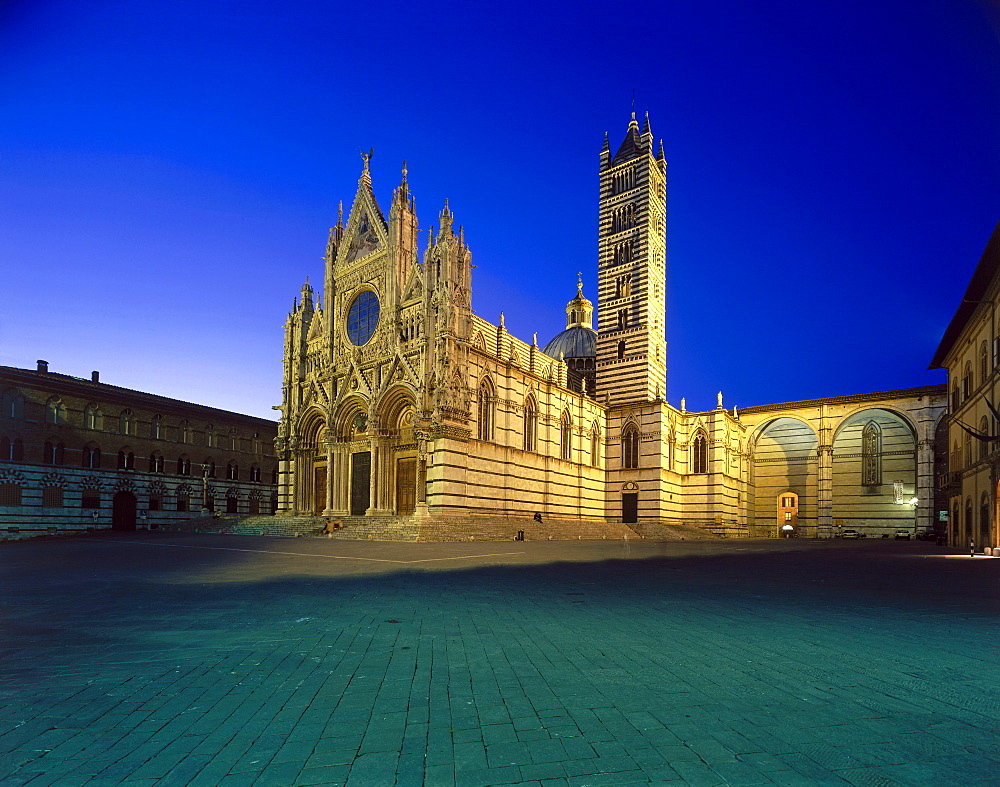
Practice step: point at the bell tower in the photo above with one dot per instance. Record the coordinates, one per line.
(632, 249)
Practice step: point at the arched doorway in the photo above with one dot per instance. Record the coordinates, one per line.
(123, 511)
(788, 515)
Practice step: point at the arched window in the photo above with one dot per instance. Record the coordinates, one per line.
(255, 474)
(91, 456)
(93, 418)
(156, 462)
(565, 436)
(209, 467)
(232, 471)
(55, 411)
(871, 455)
(630, 447)
(234, 440)
(699, 454)
(595, 446)
(12, 404)
(210, 436)
(54, 452)
(11, 449)
(621, 350)
(968, 450)
(967, 381)
(156, 427)
(126, 460)
(126, 422)
(183, 465)
(185, 431)
(484, 410)
(530, 423)
(983, 362)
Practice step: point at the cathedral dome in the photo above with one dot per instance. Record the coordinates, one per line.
(579, 340)
(576, 342)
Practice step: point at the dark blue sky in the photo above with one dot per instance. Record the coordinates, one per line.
(169, 172)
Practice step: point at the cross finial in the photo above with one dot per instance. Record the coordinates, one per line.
(579, 281)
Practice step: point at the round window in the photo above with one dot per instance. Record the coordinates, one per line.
(362, 318)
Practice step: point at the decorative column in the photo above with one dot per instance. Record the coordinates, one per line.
(824, 492)
(420, 509)
(328, 503)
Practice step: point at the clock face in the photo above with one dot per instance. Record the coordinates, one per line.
(362, 318)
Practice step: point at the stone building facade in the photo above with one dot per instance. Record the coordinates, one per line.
(78, 454)
(399, 401)
(970, 352)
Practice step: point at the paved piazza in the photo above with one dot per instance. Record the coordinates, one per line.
(157, 659)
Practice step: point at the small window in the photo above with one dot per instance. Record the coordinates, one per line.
(155, 502)
(91, 457)
(210, 436)
(54, 453)
(126, 460)
(55, 411)
(183, 466)
(126, 422)
(185, 431)
(10, 494)
(91, 499)
(156, 427)
(232, 471)
(11, 450)
(183, 501)
(621, 350)
(52, 496)
(12, 404)
(93, 418)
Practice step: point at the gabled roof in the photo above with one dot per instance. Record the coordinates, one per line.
(984, 275)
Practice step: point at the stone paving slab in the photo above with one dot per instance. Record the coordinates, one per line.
(168, 659)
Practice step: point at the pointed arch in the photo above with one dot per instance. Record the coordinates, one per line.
(485, 405)
(630, 446)
(699, 452)
(55, 411)
(566, 436)
(871, 454)
(595, 445)
(12, 404)
(530, 423)
(93, 418)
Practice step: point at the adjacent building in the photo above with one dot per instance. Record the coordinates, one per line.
(970, 352)
(78, 454)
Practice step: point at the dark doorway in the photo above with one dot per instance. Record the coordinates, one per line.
(123, 511)
(406, 486)
(361, 469)
(232, 505)
(630, 507)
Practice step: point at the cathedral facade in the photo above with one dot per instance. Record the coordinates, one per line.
(400, 402)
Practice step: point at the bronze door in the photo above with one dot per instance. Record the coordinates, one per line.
(406, 486)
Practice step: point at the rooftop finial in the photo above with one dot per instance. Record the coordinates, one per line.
(405, 170)
(579, 282)
(366, 158)
(340, 213)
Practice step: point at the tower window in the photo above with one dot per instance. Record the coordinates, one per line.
(622, 319)
(621, 350)
(630, 447)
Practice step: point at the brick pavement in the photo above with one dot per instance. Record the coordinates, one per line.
(205, 660)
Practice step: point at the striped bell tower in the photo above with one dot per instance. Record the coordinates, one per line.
(632, 248)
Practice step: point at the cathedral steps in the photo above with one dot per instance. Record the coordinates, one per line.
(443, 529)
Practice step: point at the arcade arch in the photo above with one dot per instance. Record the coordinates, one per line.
(784, 463)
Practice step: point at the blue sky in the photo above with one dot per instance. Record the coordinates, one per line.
(170, 169)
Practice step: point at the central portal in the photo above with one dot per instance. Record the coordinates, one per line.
(361, 479)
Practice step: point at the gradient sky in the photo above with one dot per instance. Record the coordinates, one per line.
(170, 169)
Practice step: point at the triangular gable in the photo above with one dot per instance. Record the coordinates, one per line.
(366, 230)
(398, 369)
(414, 285)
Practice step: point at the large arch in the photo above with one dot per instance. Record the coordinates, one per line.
(784, 460)
(874, 472)
(311, 462)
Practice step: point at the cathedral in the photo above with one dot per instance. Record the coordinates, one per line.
(401, 404)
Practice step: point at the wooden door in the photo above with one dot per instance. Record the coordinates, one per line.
(630, 507)
(319, 490)
(406, 486)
